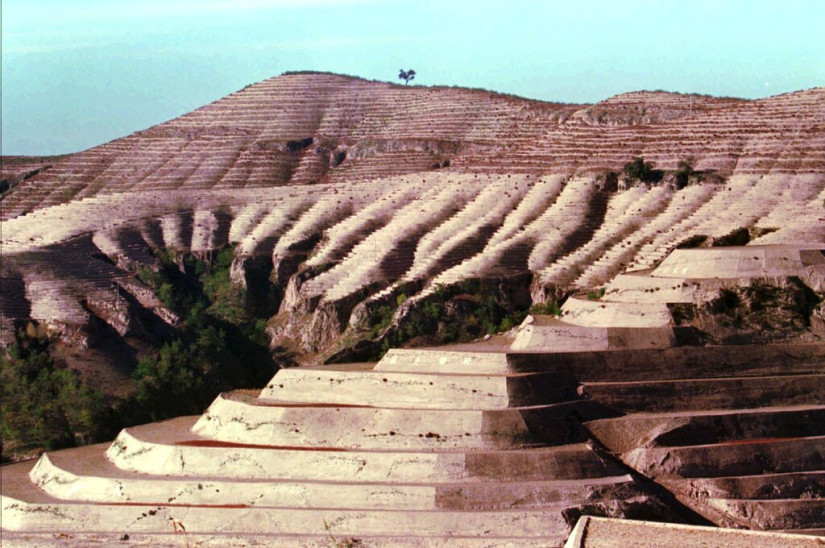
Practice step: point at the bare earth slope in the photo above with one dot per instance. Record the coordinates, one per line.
(358, 186)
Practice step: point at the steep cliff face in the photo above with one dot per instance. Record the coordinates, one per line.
(341, 195)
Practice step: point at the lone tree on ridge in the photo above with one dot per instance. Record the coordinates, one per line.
(406, 75)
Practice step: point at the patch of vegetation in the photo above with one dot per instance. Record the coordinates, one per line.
(462, 312)
(458, 313)
(684, 171)
(380, 319)
(218, 345)
(642, 171)
(697, 240)
(594, 295)
(299, 144)
(44, 406)
(406, 75)
(736, 237)
(639, 170)
(550, 308)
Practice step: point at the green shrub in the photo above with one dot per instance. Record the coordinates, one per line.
(594, 295)
(550, 308)
(217, 346)
(45, 406)
(456, 313)
(379, 319)
(684, 171)
(462, 312)
(639, 170)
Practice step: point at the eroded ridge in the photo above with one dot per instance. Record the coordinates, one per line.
(346, 193)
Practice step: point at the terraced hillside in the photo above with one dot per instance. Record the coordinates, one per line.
(673, 385)
(348, 195)
(598, 412)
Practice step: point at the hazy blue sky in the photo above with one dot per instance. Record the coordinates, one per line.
(77, 73)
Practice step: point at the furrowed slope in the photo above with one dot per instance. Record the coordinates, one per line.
(309, 128)
(342, 192)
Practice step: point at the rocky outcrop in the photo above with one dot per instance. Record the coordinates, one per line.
(650, 107)
(757, 310)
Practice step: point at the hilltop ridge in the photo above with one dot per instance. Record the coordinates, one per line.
(319, 128)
